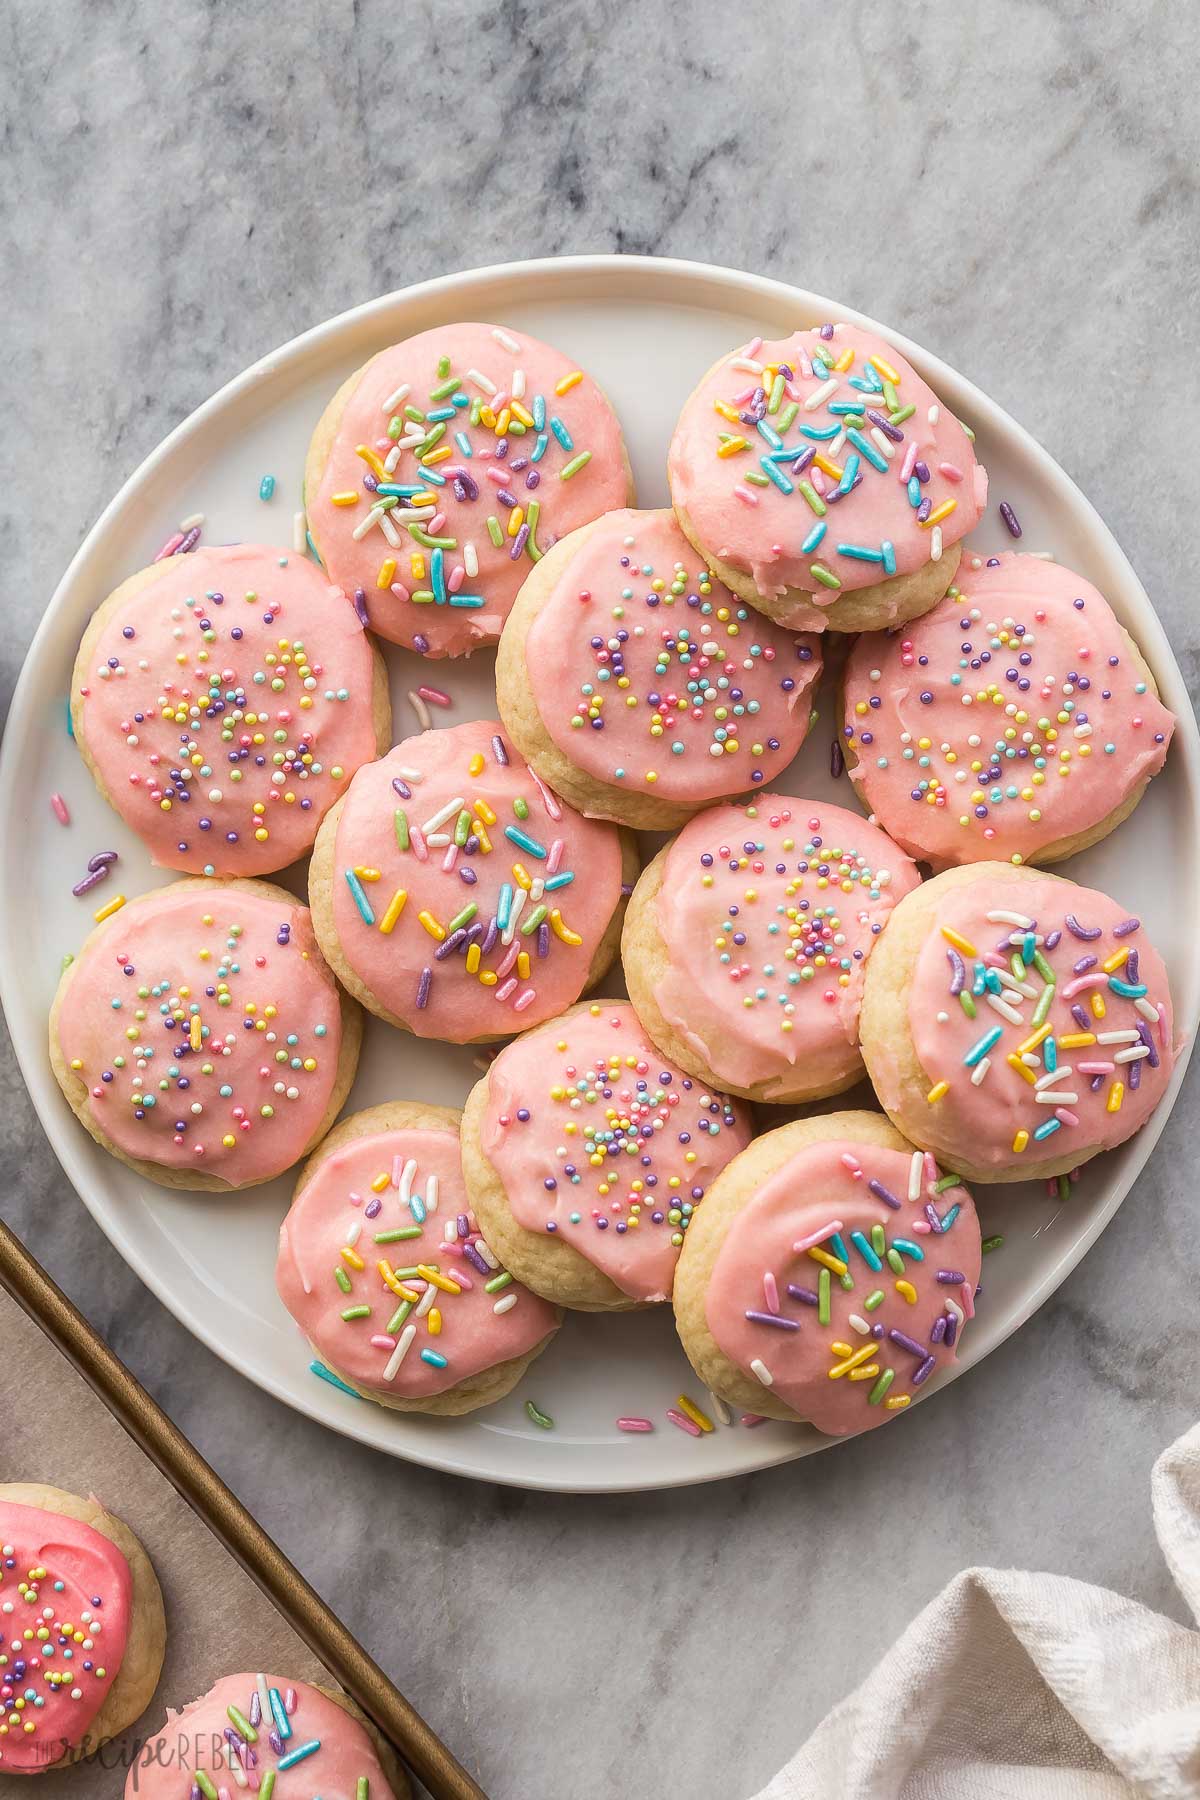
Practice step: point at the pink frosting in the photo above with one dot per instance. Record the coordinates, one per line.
(550, 458)
(601, 1140)
(339, 1253)
(776, 518)
(649, 674)
(60, 1577)
(243, 974)
(231, 1739)
(769, 912)
(802, 1252)
(1008, 717)
(1103, 1091)
(227, 705)
(519, 840)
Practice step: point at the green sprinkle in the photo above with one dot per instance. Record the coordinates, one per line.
(420, 536)
(787, 416)
(463, 918)
(462, 830)
(1017, 964)
(494, 531)
(532, 514)
(502, 1280)
(823, 1297)
(1064, 1187)
(874, 1300)
(576, 463)
(398, 1317)
(1043, 968)
(539, 1418)
(398, 1236)
(895, 1262)
(443, 369)
(402, 839)
(902, 413)
(242, 1724)
(968, 1005)
(443, 388)
(268, 1785)
(521, 807)
(814, 499)
(356, 1312)
(535, 918)
(992, 1243)
(947, 1181)
(776, 394)
(362, 1789)
(881, 1387)
(825, 576)
(1043, 1006)
(205, 1785)
(342, 1279)
(878, 1240)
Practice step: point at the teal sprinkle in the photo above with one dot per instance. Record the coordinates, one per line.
(1048, 1129)
(1127, 989)
(319, 1369)
(266, 487)
(524, 842)
(782, 481)
(908, 1248)
(875, 457)
(436, 1360)
(865, 1251)
(360, 898)
(979, 1050)
(814, 537)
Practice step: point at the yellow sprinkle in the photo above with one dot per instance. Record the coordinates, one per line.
(106, 912)
(488, 977)
(434, 1322)
(1097, 1005)
(828, 467)
(567, 382)
(523, 964)
(475, 766)
(1116, 1094)
(844, 361)
(372, 461)
(960, 943)
(483, 811)
(561, 929)
(1020, 1141)
(474, 957)
(352, 1257)
(907, 1291)
(867, 1374)
(728, 412)
(732, 446)
(938, 514)
(437, 1279)
(522, 877)
(196, 1032)
(519, 412)
(515, 518)
(436, 456)
(899, 1401)
(417, 565)
(1031, 1043)
(1112, 963)
(936, 1091)
(395, 907)
(853, 1361)
(1077, 1040)
(367, 874)
(693, 1412)
(485, 842)
(1023, 1069)
(828, 1262)
(380, 1182)
(431, 925)
(344, 499)
(501, 425)
(387, 572)
(885, 369)
(392, 1280)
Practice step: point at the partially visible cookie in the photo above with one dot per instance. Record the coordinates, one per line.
(82, 1630)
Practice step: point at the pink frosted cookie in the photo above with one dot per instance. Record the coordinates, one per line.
(250, 1732)
(641, 688)
(824, 482)
(442, 470)
(829, 1275)
(199, 1036)
(746, 939)
(82, 1632)
(586, 1154)
(1014, 1023)
(222, 701)
(1015, 720)
(383, 1267)
(455, 896)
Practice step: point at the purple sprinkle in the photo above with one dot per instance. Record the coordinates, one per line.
(931, 1213)
(1086, 932)
(423, 987)
(939, 1329)
(803, 1294)
(255, 1713)
(924, 510)
(1010, 519)
(885, 425)
(519, 543)
(1053, 939)
(476, 1261)
(463, 1225)
(761, 1318)
(421, 643)
(1084, 964)
(543, 939)
(951, 1329)
(958, 979)
(276, 1743)
(925, 1371)
(1097, 1081)
(88, 882)
(448, 946)
(827, 331)
(490, 936)
(402, 788)
(951, 1277)
(1135, 1073)
(1131, 966)
(906, 1343)
(360, 606)
(189, 542)
(1080, 1017)
(1126, 926)
(1144, 1034)
(373, 1208)
(499, 752)
(837, 762)
(884, 1194)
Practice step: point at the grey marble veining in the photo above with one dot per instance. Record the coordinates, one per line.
(187, 185)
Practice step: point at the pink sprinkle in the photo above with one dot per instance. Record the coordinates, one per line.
(382, 1341)
(460, 1275)
(922, 1225)
(745, 496)
(509, 963)
(435, 524)
(451, 857)
(752, 1419)
(416, 839)
(931, 1169)
(356, 1199)
(1095, 1068)
(968, 1299)
(817, 1237)
(1084, 981)
(554, 857)
(951, 471)
(400, 591)
(1066, 1115)
(435, 696)
(456, 578)
(771, 1292)
(59, 807)
(1162, 1023)
(635, 1425)
(499, 476)
(746, 395)
(852, 1163)
(683, 1422)
(526, 999)
(804, 366)
(289, 1701)
(170, 547)
(753, 347)
(397, 1170)
(548, 800)
(506, 988)
(910, 460)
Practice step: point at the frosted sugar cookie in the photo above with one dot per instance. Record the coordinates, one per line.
(829, 1275)
(1015, 720)
(824, 481)
(383, 1267)
(746, 939)
(587, 1152)
(638, 686)
(1016, 1024)
(444, 468)
(222, 701)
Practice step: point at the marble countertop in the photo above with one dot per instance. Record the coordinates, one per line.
(189, 185)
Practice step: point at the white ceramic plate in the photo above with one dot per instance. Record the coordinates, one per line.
(647, 330)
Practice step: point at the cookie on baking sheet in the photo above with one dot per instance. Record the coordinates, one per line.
(222, 701)
(829, 1274)
(1015, 720)
(443, 469)
(383, 1266)
(199, 1036)
(249, 1732)
(824, 481)
(457, 897)
(1016, 1024)
(82, 1631)
(746, 938)
(638, 686)
(587, 1152)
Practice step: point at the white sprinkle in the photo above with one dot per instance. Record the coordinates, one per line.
(354, 1233)
(514, 916)
(935, 544)
(505, 1303)
(264, 1699)
(1120, 1037)
(1014, 986)
(450, 1231)
(518, 384)
(821, 394)
(758, 1367)
(980, 1070)
(406, 1179)
(368, 524)
(718, 1409)
(884, 445)
(1134, 1054)
(481, 381)
(1053, 1075)
(191, 522)
(860, 1324)
(746, 365)
(431, 1193)
(404, 1344)
(299, 527)
(1147, 1010)
(1083, 731)
(392, 458)
(1048, 1097)
(470, 560)
(424, 717)
(413, 775)
(396, 399)
(427, 1301)
(915, 1170)
(389, 531)
(1010, 918)
(486, 1253)
(451, 809)
(1004, 1009)
(505, 341)
(934, 414)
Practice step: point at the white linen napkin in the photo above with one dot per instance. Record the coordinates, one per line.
(1015, 1686)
